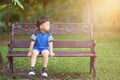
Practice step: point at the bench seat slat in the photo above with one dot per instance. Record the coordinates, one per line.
(57, 54)
(56, 44)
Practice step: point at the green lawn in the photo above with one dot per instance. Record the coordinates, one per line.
(107, 62)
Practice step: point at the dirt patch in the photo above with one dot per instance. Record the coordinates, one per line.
(52, 76)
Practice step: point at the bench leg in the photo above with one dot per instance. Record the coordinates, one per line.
(10, 64)
(10, 67)
(93, 67)
(90, 65)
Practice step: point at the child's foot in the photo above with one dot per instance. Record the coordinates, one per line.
(44, 72)
(32, 72)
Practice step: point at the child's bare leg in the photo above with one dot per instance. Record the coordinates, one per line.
(33, 62)
(45, 54)
(33, 57)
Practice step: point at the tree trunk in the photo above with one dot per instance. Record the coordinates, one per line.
(44, 7)
(1, 62)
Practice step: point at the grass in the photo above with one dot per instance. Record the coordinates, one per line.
(107, 62)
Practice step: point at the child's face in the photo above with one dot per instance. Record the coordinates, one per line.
(45, 26)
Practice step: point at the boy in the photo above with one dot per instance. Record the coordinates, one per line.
(41, 43)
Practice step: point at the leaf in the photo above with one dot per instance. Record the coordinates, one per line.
(18, 3)
(14, 2)
(3, 6)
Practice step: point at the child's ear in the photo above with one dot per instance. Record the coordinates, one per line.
(40, 27)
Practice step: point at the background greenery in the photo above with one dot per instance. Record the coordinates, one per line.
(104, 13)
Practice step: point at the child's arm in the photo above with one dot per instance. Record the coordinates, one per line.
(30, 48)
(51, 49)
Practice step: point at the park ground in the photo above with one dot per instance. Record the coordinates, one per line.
(107, 62)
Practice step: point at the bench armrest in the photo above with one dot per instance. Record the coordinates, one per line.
(10, 45)
(93, 43)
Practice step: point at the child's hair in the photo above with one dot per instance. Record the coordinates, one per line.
(41, 20)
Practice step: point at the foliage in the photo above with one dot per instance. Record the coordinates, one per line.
(72, 11)
(13, 17)
(18, 3)
(3, 6)
(6, 3)
(8, 15)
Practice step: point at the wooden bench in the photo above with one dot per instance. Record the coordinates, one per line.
(27, 29)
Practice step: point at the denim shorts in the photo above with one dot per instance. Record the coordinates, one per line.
(40, 49)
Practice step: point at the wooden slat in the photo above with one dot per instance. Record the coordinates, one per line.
(56, 44)
(72, 44)
(21, 43)
(57, 54)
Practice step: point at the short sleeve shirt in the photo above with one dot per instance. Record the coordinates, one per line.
(41, 40)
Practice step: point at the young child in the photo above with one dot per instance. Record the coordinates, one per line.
(41, 43)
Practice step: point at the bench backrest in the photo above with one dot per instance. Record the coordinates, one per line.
(58, 29)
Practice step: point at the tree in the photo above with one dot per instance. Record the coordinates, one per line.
(5, 3)
(4, 8)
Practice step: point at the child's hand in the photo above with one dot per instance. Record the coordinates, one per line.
(52, 54)
(29, 54)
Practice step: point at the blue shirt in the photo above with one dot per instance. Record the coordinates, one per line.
(41, 40)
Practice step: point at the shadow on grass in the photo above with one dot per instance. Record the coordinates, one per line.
(52, 76)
